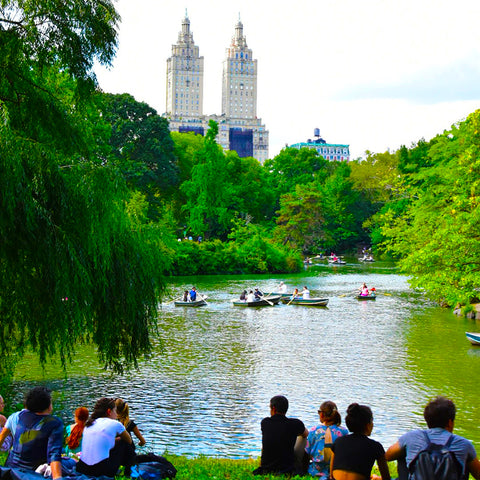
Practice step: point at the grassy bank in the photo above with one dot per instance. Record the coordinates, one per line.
(208, 468)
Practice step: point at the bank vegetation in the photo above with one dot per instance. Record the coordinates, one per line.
(100, 203)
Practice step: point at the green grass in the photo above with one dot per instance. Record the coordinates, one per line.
(203, 468)
(211, 468)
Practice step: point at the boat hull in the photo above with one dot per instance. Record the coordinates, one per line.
(366, 297)
(474, 338)
(196, 303)
(258, 303)
(306, 302)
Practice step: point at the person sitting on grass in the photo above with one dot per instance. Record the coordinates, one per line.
(279, 436)
(123, 413)
(321, 438)
(74, 432)
(38, 435)
(106, 444)
(353, 455)
(440, 417)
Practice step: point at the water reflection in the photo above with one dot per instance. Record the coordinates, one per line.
(207, 389)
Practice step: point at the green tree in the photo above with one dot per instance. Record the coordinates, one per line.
(436, 237)
(301, 219)
(76, 266)
(208, 191)
(142, 144)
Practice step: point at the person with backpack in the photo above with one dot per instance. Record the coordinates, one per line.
(435, 453)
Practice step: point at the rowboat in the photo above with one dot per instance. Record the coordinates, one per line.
(196, 303)
(473, 337)
(366, 297)
(337, 262)
(312, 302)
(281, 295)
(263, 302)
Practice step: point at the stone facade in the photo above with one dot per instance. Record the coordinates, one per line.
(239, 128)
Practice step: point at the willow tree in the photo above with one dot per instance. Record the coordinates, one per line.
(74, 266)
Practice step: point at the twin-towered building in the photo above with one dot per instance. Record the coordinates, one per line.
(239, 128)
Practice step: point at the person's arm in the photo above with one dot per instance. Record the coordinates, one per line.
(54, 448)
(4, 434)
(473, 468)
(331, 464)
(394, 452)
(56, 467)
(125, 436)
(304, 434)
(138, 434)
(383, 467)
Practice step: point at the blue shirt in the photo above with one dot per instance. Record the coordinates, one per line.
(37, 439)
(316, 445)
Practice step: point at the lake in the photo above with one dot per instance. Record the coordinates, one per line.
(208, 385)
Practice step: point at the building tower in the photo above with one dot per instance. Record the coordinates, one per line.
(239, 82)
(185, 76)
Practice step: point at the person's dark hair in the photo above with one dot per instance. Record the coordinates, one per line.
(330, 412)
(38, 399)
(358, 417)
(100, 409)
(280, 403)
(438, 412)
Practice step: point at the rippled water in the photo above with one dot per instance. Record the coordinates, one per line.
(207, 389)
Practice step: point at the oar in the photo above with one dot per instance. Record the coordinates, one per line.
(292, 299)
(203, 297)
(265, 298)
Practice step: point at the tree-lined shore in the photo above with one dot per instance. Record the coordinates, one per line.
(100, 203)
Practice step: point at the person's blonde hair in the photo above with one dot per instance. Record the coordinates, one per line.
(123, 415)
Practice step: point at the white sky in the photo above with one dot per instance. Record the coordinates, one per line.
(374, 74)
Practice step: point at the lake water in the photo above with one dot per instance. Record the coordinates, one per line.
(208, 386)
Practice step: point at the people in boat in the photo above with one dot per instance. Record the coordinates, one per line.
(193, 294)
(123, 415)
(258, 294)
(282, 288)
(74, 432)
(106, 444)
(250, 296)
(38, 435)
(305, 292)
(279, 436)
(440, 417)
(373, 292)
(353, 455)
(320, 439)
(363, 290)
(294, 294)
(243, 296)
(186, 296)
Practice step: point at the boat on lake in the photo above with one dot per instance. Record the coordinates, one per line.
(196, 303)
(474, 338)
(366, 297)
(262, 302)
(366, 258)
(281, 295)
(312, 302)
(336, 261)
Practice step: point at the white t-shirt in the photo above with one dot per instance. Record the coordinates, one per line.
(99, 439)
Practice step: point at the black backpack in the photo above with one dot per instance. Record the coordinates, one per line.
(435, 462)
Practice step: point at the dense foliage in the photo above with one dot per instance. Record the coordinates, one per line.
(76, 264)
(98, 201)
